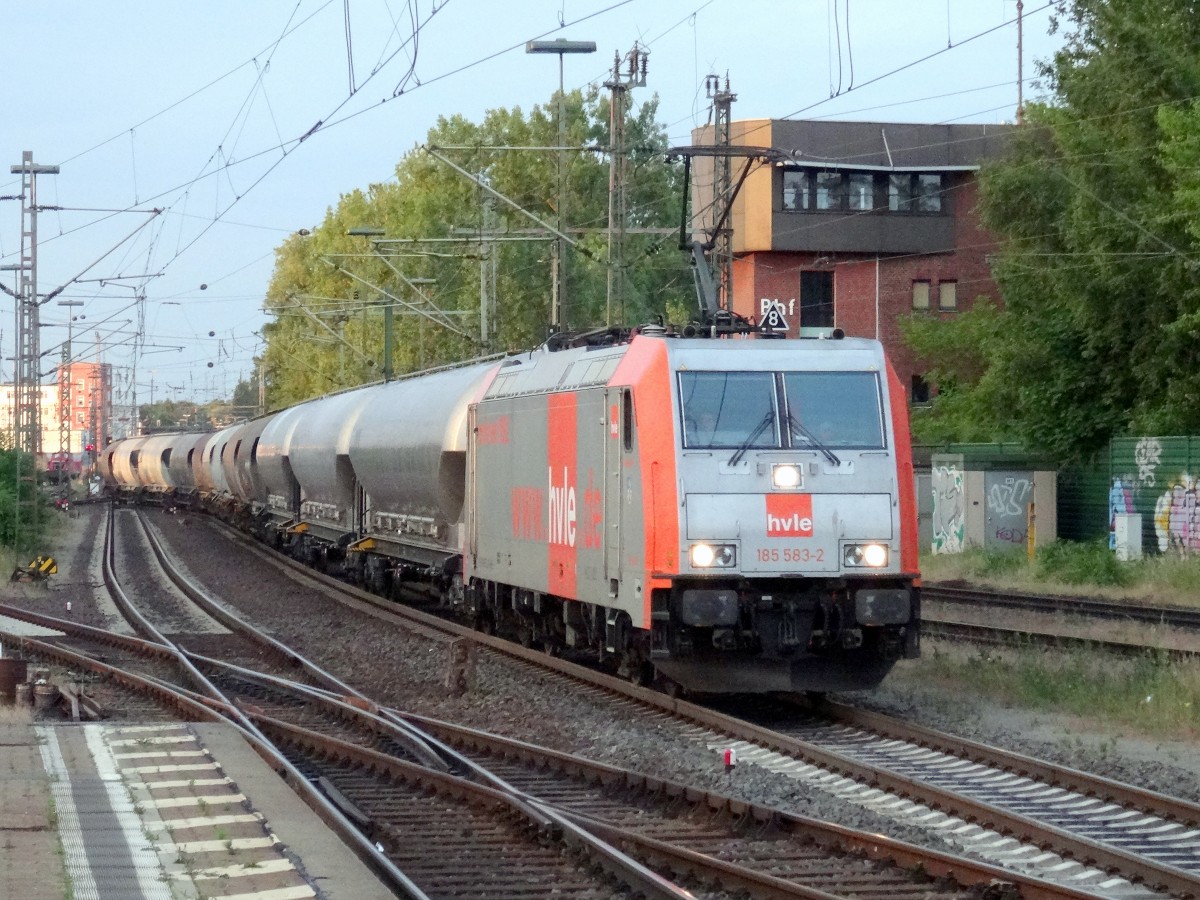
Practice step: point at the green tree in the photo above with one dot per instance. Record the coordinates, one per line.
(328, 291)
(167, 415)
(1096, 208)
(22, 533)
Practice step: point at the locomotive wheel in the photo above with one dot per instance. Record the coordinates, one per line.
(635, 669)
(669, 686)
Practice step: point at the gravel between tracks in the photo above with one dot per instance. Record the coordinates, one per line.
(406, 671)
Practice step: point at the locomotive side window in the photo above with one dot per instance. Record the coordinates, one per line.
(728, 409)
(627, 419)
(839, 409)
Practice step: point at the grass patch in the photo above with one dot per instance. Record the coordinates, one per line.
(1066, 567)
(1150, 694)
(1082, 564)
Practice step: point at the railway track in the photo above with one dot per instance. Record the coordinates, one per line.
(1093, 834)
(372, 774)
(819, 754)
(1170, 616)
(961, 614)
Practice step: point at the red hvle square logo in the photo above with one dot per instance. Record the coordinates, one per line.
(789, 515)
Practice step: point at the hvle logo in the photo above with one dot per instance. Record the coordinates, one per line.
(789, 515)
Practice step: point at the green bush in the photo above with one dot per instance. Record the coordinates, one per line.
(1082, 563)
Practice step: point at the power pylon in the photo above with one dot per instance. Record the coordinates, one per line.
(635, 61)
(27, 396)
(722, 101)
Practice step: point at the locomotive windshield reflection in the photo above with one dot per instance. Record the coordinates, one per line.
(741, 410)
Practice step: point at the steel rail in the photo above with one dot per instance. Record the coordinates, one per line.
(733, 876)
(618, 864)
(1157, 875)
(999, 636)
(1174, 616)
(168, 695)
(964, 871)
(641, 878)
(296, 660)
(1181, 810)
(329, 813)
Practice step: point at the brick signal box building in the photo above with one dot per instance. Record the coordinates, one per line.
(864, 223)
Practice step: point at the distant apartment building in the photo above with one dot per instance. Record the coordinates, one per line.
(855, 225)
(75, 413)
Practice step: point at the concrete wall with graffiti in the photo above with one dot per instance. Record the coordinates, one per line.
(997, 509)
(1158, 477)
(949, 505)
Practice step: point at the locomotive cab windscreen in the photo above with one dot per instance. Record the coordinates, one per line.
(779, 410)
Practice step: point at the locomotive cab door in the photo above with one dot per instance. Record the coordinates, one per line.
(470, 545)
(618, 448)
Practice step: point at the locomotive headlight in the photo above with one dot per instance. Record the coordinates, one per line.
(786, 476)
(713, 556)
(869, 556)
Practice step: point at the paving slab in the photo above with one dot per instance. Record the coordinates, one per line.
(172, 811)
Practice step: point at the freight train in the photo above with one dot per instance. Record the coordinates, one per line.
(719, 515)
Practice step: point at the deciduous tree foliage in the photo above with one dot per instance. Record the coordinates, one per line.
(1096, 208)
(328, 290)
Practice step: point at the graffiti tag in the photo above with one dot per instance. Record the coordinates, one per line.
(1147, 455)
(1008, 499)
(949, 524)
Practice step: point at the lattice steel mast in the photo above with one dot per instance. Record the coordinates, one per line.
(27, 426)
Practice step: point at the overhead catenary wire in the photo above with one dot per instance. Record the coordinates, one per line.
(228, 162)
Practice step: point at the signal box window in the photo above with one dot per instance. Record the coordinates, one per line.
(795, 189)
(929, 193)
(948, 295)
(861, 191)
(900, 193)
(915, 193)
(829, 190)
(920, 295)
(920, 389)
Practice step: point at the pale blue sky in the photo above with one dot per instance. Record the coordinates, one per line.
(190, 107)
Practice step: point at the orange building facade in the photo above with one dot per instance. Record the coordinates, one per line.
(77, 410)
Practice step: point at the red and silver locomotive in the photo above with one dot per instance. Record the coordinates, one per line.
(733, 515)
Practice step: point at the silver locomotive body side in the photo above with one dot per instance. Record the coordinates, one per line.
(545, 477)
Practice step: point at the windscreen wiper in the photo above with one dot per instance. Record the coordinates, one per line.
(745, 445)
(812, 439)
